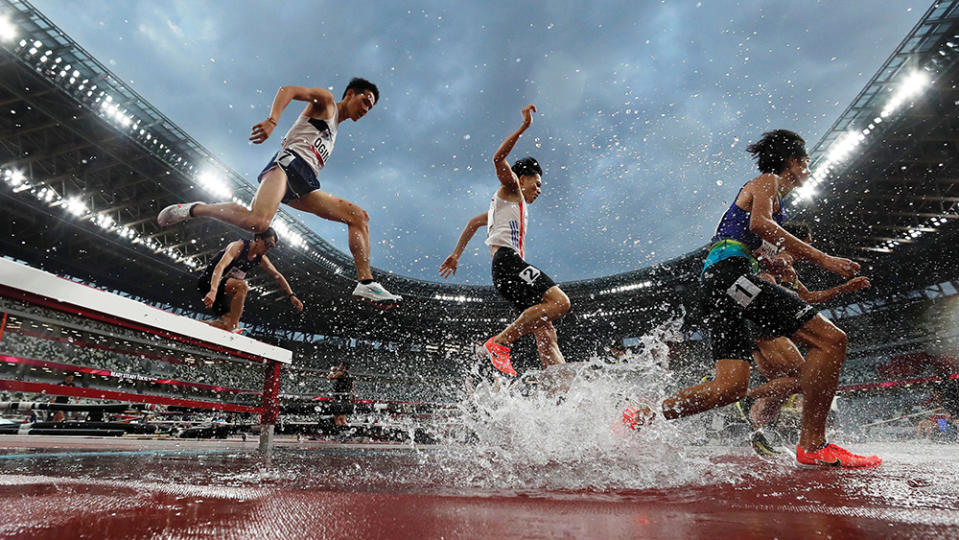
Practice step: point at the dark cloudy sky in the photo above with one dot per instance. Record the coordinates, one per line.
(645, 107)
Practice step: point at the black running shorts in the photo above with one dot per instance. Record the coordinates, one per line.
(741, 306)
(519, 282)
(221, 305)
(300, 178)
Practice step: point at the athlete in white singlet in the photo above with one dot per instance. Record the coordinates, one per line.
(290, 176)
(528, 288)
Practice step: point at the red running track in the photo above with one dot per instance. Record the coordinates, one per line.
(223, 490)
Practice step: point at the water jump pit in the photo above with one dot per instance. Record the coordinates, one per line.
(57, 487)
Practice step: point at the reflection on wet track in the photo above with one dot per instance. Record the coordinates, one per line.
(176, 490)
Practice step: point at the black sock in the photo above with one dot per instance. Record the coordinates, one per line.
(366, 281)
(192, 206)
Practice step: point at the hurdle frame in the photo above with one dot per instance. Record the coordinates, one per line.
(23, 283)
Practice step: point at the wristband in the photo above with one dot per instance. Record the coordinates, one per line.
(271, 120)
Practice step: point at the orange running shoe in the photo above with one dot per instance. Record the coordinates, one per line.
(499, 356)
(638, 415)
(831, 455)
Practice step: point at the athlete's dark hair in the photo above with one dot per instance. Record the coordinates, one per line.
(775, 148)
(346, 365)
(358, 85)
(266, 233)
(527, 166)
(799, 229)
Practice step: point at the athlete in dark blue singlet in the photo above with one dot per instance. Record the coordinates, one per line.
(226, 277)
(735, 296)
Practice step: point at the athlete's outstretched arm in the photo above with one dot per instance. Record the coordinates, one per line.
(449, 265)
(320, 100)
(268, 266)
(764, 190)
(231, 252)
(815, 297)
(503, 171)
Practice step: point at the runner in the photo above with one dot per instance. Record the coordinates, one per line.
(528, 288)
(779, 357)
(290, 176)
(734, 295)
(224, 280)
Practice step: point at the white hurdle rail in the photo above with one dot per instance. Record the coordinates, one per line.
(37, 282)
(26, 284)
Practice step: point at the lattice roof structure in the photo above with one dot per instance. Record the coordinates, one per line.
(86, 163)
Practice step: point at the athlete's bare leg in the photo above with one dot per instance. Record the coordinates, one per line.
(819, 377)
(555, 303)
(780, 361)
(357, 221)
(237, 289)
(729, 385)
(547, 345)
(262, 210)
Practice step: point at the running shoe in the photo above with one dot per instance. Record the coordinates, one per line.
(762, 446)
(499, 356)
(743, 406)
(638, 415)
(375, 293)
(831, 455)
(175, 213)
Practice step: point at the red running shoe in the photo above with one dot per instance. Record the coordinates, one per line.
(499, 356)
(831, 455)
(638, 415)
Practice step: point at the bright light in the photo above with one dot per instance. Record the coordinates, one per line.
(629, 287)
(286, 233)
(75, 206)
(17, 177)
(846, 144)
(104, 221)
(214, 183)
(806, 192)
(7, 30)
(913, 84)
(456, 298)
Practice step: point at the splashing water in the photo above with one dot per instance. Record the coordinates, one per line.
(532, 433)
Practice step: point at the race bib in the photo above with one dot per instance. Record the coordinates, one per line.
(743, 291)
(529, 274)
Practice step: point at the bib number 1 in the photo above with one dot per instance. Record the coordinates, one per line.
(743, 291)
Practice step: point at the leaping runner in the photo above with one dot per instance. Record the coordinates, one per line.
(291, 177)
(528, 288)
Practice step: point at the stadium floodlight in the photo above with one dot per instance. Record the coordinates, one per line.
(105, 221)
(7, 30)
(16, 177)
(75, 206)
(214, 183)
(461, 298)
(805, 192)
(913, 84)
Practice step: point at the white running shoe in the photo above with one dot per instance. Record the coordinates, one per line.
(175, 213)
(374, 292)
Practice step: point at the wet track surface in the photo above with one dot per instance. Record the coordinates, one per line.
(324, 490)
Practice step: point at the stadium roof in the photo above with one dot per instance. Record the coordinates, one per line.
(86, 163)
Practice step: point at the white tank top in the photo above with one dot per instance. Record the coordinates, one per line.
(312, 139)
(506, 224)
